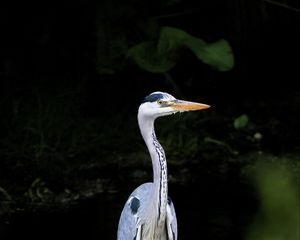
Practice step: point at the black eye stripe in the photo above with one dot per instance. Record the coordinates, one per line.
(153, 97)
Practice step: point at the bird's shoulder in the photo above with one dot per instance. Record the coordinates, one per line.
(129, 220)
(138, 196)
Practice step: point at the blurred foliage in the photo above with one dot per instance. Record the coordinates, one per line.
(161, 55)
(278, 183)
(46, 137)
(241, 121)
(4, 194)
(122, 32)
(38, 192)
(176, 136)
(112, 23)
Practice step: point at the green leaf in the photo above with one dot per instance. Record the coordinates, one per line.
(241, 121)
(161, 55)
(218, 54)
(170, 39)
(147, 57)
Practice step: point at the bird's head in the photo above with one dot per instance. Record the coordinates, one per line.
(159, 104)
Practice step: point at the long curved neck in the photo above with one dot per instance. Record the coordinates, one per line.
(159, 163)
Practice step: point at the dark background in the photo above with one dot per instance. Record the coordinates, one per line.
(70, 143)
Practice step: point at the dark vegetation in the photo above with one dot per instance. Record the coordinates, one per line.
(72, 79)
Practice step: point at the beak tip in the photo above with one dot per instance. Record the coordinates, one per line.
(183, 106)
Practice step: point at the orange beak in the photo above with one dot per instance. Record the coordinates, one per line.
(182, 106)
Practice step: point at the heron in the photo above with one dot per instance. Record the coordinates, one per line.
(149, 213)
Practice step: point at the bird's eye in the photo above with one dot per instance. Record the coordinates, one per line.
(160, 102)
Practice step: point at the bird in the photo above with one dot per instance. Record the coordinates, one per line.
(149, 213)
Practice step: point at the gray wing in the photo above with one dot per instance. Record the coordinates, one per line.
(129, 225)
(171, 221)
